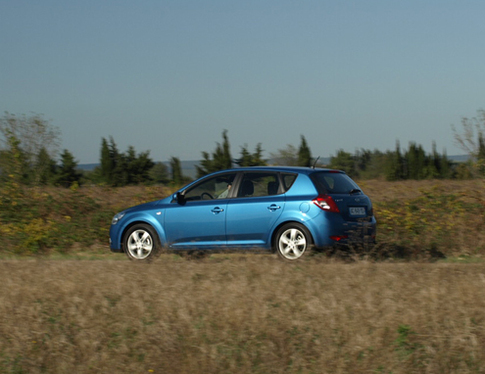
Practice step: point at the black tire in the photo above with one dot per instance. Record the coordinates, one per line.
(141, 243)
(293, 241)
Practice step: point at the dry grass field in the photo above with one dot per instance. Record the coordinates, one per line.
(241, 314)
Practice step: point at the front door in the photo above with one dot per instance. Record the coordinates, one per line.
(199, 220)
(196, 224)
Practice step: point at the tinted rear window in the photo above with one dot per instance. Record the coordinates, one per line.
(333, 183)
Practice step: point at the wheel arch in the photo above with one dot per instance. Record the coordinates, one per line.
(137, 222)
(280, 225)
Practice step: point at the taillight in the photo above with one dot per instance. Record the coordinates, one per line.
(338, 238)
(326, 203)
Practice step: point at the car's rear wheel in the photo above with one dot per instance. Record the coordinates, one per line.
(293, 241)
(141, 243)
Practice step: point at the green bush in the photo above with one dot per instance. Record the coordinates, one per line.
(435, 220)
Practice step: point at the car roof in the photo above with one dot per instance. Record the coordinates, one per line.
(287, 169)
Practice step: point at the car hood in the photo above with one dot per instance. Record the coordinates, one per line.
(145, 206)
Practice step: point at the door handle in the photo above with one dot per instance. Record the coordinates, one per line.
(273, 207)
(217, 210)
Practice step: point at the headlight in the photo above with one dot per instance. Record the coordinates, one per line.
(117, 217)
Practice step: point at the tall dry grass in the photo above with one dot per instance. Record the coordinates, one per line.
(430, 218)
(241, 314)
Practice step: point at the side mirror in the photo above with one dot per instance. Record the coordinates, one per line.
(179, 198)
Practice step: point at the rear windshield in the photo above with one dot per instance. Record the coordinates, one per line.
(334, 183)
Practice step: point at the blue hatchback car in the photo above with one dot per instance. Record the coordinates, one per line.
(288, 210)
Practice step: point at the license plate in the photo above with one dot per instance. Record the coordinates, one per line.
(357, 211)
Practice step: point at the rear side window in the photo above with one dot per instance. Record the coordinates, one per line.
(258, 185)
(334, 183)
(288, 180)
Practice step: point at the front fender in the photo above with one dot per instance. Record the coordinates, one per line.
(154, 219)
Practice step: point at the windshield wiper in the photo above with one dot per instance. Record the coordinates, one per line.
(355, 190)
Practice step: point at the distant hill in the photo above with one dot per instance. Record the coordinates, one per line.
(459, 158)
(188, 167)
(87, 167)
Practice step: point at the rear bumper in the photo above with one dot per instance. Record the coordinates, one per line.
(330, 233)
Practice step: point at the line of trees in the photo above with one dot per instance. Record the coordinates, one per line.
(30, 146)
(123, 168)
(221, 157)
(412, 163)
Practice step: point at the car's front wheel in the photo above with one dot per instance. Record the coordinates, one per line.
(292, 241)
(141, 243)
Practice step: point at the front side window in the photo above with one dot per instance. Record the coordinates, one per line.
(259, 184)
(217, 187)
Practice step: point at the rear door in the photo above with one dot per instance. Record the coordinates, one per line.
(254, 210)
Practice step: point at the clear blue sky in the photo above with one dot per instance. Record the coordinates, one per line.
(168, 76)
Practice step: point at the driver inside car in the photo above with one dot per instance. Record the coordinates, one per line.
(225, 192)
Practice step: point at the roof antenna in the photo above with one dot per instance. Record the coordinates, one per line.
(315, 163)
